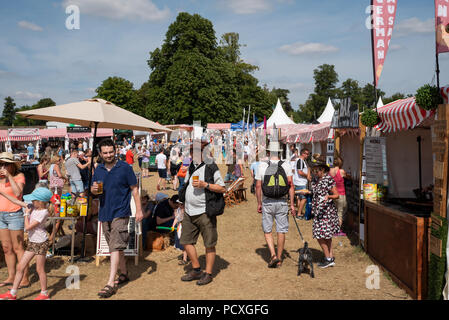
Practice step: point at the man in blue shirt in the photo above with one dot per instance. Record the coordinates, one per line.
(30, 149)
(119, 183)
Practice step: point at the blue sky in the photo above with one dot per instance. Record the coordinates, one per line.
(287, 39)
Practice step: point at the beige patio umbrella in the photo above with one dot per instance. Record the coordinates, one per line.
(94, 113)
(88, 112)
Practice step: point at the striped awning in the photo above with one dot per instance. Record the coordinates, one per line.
(401, 115)
(445, 94)
(313, 133)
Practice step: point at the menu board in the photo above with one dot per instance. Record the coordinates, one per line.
(376, 161)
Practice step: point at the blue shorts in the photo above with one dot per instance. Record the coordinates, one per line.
(162, 173)
(12, 220)
(299, 195)
(77, 186)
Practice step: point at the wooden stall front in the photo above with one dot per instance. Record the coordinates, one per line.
(398, 242)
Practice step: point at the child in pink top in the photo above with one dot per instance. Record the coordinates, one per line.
(35, 217)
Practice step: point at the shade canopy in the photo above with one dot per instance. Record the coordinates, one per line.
(328, 113)
(88, 112)
(279, 117)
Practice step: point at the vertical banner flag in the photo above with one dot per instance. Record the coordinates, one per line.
(442, 25)
(384, 13)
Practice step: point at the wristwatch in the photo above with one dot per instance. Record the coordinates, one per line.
(207, 187)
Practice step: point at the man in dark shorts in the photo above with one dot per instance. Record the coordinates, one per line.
(119, 183)
(161, 161)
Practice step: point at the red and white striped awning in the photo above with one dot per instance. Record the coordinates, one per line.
(401, 115)
(3, 135)
(445, 94)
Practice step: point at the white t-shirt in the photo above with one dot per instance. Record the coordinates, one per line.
(38, 234)
(263, 166)
(297, 179)
(161, 161)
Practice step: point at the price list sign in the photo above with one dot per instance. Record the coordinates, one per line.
(376, 160)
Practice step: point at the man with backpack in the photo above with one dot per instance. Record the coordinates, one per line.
(202, 195)
(273, 183)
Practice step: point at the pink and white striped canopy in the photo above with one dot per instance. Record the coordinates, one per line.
(401, 115)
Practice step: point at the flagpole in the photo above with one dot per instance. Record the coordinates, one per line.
(436, 47)
(373, 54)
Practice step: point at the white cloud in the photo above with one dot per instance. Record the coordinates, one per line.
(395, 47)
(91, 90)
(248, 6)
(413, 26)
(144, 10)
(300, 48)
(29, 25)
(28, 95)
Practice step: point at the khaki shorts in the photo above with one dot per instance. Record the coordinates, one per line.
(192, 226)
(38, 248)
(341, 206)
(116, 233)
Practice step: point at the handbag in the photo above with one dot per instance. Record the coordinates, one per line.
(55, 181)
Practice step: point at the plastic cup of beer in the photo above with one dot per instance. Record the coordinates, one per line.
(195, 178)
(100, 187)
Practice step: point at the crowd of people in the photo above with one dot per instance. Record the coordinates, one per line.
(279, 186)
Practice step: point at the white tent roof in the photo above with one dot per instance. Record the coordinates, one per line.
(279, 117)
(328, 113)
(380, 103)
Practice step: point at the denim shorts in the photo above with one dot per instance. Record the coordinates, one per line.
(12, 220)
(300, 195)
(77, 185)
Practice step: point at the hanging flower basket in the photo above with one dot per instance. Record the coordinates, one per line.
(370, 118)
(428, 97)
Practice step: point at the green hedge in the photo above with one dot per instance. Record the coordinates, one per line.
(437, 266)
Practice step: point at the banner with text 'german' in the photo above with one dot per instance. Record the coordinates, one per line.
(442, 25)
(384, 14)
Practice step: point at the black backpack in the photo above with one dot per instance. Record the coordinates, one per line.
(275, 183)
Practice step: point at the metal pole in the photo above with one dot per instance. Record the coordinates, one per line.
(82, 257)
(373, 55)
(419, 162)
(436, 54)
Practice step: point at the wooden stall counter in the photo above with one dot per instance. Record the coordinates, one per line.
(398, 242)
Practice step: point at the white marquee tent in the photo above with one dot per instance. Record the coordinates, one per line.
(328, 113)
(279, 117)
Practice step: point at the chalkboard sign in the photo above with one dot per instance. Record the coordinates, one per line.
(352, 195)
(347, 116)
(78, 129)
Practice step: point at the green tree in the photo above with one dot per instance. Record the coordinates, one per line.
(9, 112)
(394, 97)
(350, 88)
(120, 92)
(282, 94)
(369, 100)
(326, 80)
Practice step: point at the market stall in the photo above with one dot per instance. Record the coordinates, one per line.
(397, 178)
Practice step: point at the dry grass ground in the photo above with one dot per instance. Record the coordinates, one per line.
(240, 271)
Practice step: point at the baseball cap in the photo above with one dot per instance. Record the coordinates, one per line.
(41, 194)
(175, 199)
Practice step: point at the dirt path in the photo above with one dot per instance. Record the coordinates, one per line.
(240, 271)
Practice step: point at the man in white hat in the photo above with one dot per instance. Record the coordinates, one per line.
(273, 183)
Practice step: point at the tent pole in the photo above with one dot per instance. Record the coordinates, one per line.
(82, 257)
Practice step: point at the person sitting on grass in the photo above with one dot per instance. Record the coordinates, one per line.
(38, 243)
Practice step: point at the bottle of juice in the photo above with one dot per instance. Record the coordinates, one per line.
(83, 207)
(63, 208)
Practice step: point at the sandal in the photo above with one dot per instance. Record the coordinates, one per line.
(122, 278)
(183, 262)
(273, 263)
(4, 284)
(107, 291)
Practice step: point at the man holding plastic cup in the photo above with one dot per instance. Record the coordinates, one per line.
(119, 184)
(203, 201)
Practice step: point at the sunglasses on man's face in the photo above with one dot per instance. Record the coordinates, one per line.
(4, 164)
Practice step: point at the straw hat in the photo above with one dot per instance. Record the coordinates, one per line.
(274, 146)
(8, 157)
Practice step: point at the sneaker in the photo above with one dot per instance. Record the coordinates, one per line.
(327, 263)
(7, 296)
(192, 275)
(205, 279)
(42, 296)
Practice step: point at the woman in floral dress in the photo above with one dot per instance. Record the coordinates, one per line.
(325, 221)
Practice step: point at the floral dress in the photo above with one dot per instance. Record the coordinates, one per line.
(325, 221)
